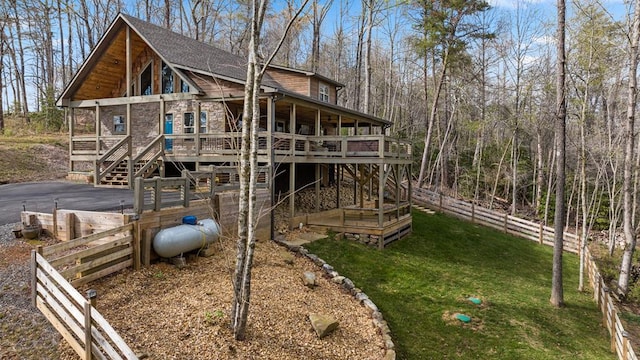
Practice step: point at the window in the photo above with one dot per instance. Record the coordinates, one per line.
(184, 87)
(167, 79)
(119, 125)
(324, 92)
(280, 126)
(203, 122)
(188, 126)
(145, 81)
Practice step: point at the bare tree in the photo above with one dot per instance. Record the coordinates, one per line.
(557, 294)
(627, 186)
(248, 217)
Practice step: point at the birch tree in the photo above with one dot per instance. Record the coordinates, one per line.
(557, 294)
(627, 186)
(247, 217)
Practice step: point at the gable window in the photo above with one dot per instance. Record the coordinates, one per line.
(167, 79)
(145, 81)
(188, 126)
(184, 87)
(203, 122)
(324, 92)
(119, 125)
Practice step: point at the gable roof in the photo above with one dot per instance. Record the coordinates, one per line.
(177, 51)
(181, 51)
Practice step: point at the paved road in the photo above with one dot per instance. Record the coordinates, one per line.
(40, 196)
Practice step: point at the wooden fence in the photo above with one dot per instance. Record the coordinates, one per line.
(620, 343)
(495, 219)
(75, 317)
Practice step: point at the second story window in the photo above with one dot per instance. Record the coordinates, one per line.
(167, 79)
(184, 87)
(146, 81)
(188, 126)
(324, 92)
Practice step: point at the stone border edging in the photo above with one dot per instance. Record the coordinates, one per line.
(359, 295)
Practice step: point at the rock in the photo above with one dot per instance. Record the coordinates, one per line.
(318, 261)
(338, 279)
(323, 324)
(390, 355)
(368, 303)
(309, 279)
(361, 296)
(288, 257)
(333, 273)
(388, 343)
(327, 268)
(348, 284)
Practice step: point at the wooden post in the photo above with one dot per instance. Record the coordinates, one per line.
(69, 223)
(138, 196)
(625, 345)
(54, 214)
(157, 194)
(34, 279)
(87, 330)
(440, 203)
(292, 189)
(473, 212)
(185, 192)
(541, 236)
(613, 329)
(506, 222)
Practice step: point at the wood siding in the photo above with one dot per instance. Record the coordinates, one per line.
(291, 81)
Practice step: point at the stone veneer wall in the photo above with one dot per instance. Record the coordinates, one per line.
(214, 109)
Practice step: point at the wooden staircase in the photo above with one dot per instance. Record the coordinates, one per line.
(118, 167)
(119, 175)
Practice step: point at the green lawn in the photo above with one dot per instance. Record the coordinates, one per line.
(421, 281)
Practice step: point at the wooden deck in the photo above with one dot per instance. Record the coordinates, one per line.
(394, 223)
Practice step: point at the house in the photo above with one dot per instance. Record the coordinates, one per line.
(148, 101)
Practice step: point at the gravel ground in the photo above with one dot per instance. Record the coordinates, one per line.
(24, 331)
(170, 313)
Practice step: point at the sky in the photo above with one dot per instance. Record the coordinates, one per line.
(616, 8)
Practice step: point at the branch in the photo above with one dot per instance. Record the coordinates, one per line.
(284, 35)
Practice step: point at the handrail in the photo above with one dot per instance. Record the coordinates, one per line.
(143, 155)
(116, 149)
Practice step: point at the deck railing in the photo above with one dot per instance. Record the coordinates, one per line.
(112, 158)
(291, 145)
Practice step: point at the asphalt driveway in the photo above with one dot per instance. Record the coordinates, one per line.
(41, 197)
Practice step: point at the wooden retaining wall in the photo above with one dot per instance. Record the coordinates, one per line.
(620, 343)
(65, 225)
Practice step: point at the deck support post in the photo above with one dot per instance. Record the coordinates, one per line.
(292, 189)
(380, 205)
(318, 179)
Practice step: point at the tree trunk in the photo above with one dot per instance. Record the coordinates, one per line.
(627, 186)
(557, 295)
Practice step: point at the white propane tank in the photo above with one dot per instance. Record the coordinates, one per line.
(179, 239)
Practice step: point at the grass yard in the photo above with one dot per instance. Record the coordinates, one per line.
(420, 282)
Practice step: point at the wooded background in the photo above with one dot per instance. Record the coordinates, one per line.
(474, 84)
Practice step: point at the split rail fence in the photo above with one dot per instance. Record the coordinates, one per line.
(620, 343)
(58, 268)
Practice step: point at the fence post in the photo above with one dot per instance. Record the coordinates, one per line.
(541, 237)
(506, 223)
(138, 198)
(157, 194)
(34, 279)
(87, 330)
(473, 212)
(625, 345)
(613, 327)
(440, 203)
(185, 192)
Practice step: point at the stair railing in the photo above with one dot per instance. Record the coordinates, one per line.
(149, 155)
(115, 155)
